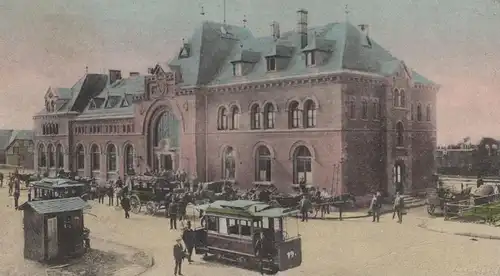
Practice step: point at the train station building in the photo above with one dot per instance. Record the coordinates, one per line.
(327, 104)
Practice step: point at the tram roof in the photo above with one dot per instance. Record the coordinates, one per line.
(54, 183)
(246, 208)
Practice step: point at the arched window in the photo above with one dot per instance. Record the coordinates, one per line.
(302, 165)
(309, 114)
(95, 157)
(222, 119)
(364, 110)
(402, 98)
(428, 112)
(165, 127)
(419, 112)
(412, 112)
(111, 158)
(395, 98)
(293, 115)
(59, 156)
(129, 159)
(235, 118)
(263, 164)
(80, 157)
(228, 164)
(42, 160)
(52, 157)
(255, 116)
(400, 134)
(269, 116)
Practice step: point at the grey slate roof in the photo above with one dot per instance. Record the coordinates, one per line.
(212, 53)
(56, 205)
(20, 135)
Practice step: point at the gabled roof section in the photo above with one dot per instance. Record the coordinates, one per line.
(245, 55)
(92, 85)
(319, 44)
(5, 135)
(112, 101)
(25, 134)
(280, 50)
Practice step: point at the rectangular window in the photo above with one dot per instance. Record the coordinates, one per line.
(364, 111)
(245, 228)
(223, 226)
(211, 223)
(310, 59)
(271, 64)
(351, 110)
(233, 227)
(264, 172)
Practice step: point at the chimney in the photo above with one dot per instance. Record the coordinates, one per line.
(114, 75)
(364, 29)
(302, 27)
(134, 74)
(275, 30)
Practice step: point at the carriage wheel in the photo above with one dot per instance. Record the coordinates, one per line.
(151, 208)
(135, 204)
(431, 208)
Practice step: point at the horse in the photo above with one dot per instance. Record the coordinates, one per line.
(339, 202)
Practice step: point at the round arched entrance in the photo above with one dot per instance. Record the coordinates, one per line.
(163, 140)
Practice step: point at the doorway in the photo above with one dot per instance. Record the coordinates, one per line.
(166, 162)
(399, 176)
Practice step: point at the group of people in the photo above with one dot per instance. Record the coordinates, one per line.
(376, 206)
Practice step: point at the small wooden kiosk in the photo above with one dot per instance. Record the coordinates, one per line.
(54, 229)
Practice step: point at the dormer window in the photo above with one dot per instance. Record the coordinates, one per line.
(237, 69)
(185, 51)
(310, 59)
(92, 105)
(271, 64)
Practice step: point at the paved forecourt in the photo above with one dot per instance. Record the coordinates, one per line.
(354, 247)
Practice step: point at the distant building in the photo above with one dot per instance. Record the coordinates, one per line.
(326, 104)
(456, 160)
(20, 152)
(5, 135)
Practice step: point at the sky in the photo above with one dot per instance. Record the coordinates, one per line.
(50, 42)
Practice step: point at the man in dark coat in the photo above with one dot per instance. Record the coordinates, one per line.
(188, 236)
(111, 194)
(375, 206)
(17, 193)
(172, 211)
(179, 255)
(126, 206)
(305, 206)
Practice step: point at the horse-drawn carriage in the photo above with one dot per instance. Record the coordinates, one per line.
(439, 197)
(250, 234)
(215, 190)
(153, 192)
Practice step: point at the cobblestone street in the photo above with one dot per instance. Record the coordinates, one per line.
(351, 247)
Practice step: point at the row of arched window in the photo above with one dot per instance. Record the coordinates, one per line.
(302, 164)
(104, 129)
(371, 109)
(110, 155)
(399, 98)
(264, 117)
(419, 115)
(50, 129)
(50, 157)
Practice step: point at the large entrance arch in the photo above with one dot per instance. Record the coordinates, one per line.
(163, 140)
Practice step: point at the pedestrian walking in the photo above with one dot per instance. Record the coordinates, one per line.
(305, 206)
(17, 193)
(111, 194)
(375, 206)
(398, 207)
(126, 206)
(172, 211)
(188, 236)
(179, 255)
(101, 191)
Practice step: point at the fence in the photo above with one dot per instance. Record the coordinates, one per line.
(474, 208)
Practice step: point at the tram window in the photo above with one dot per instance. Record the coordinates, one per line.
(223, 226)
(212, 223)
(265, 223)
(245, 228)
(233, 227)
(277, 224)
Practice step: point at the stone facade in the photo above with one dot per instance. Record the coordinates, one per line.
(253, 117)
